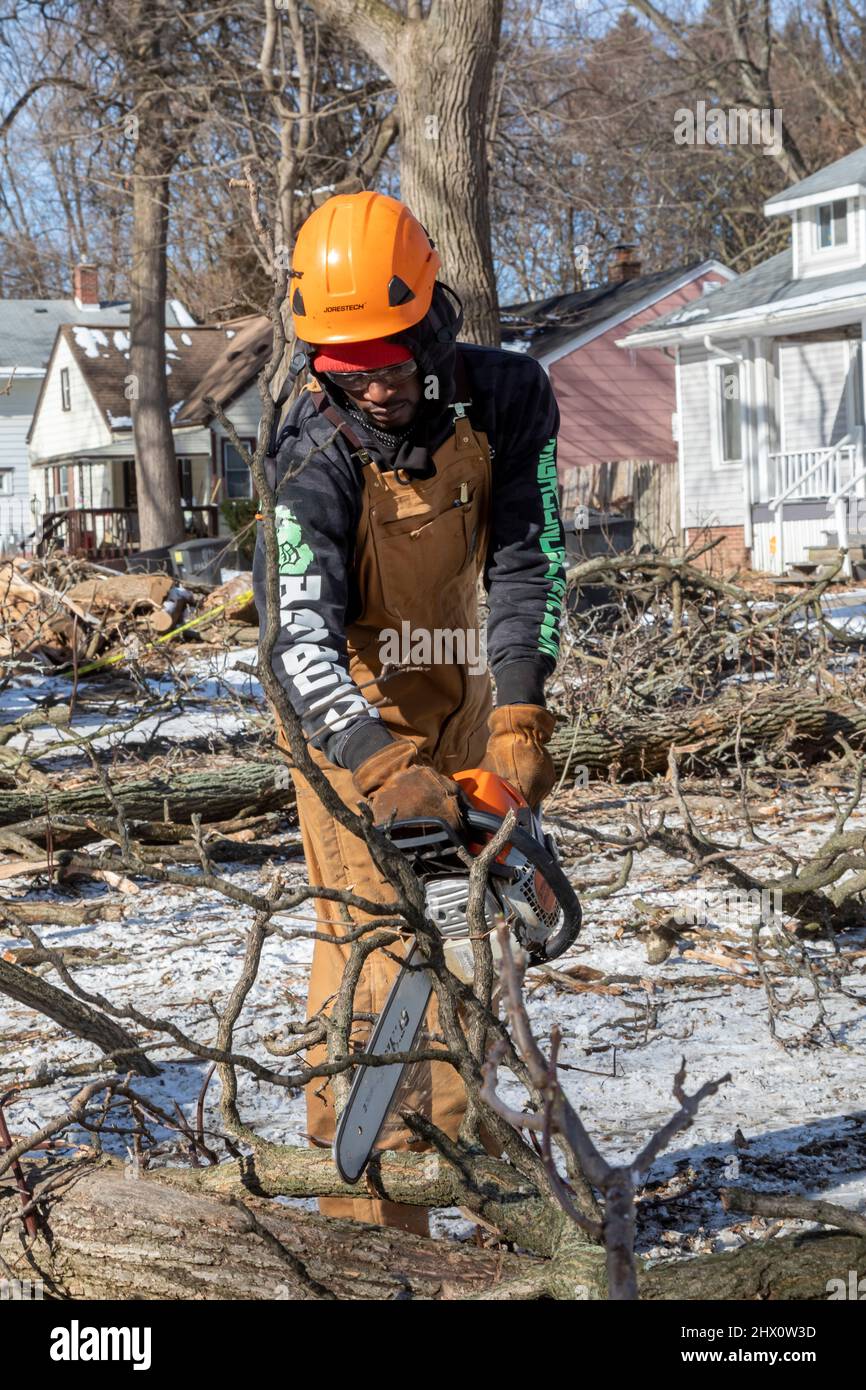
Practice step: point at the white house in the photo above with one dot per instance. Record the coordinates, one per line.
(28, 329)
(80, 441)
(769, 415)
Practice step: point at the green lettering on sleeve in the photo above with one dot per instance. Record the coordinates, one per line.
(551, 544)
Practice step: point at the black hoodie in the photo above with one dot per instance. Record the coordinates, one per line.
(319, 502)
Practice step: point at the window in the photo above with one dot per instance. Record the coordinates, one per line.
(238, 479)
(58, 498)
(7, 481)
(184, 479)
(730, 413)
(65, 395)
(832, 224)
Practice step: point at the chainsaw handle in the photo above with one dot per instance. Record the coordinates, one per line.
(567, 934)
(545, 859)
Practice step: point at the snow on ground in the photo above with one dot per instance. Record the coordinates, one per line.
(193, 713)
(796, 1111)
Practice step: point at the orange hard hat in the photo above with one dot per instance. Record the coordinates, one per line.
(362, 267)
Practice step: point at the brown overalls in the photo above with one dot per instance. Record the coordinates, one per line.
(420, 548)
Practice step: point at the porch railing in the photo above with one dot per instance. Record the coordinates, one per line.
(817, 473)
(811, 472)
(106, 533)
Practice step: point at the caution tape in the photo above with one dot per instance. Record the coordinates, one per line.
(159, 641)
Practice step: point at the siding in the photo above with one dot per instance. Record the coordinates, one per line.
(244, 413)
(813, 392)
(617, 403)
(59, 432)
(16, 412)
(713, 495)
(799, 535)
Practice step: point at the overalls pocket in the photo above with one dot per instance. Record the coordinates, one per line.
(420, 555)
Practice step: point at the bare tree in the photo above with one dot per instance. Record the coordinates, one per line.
(441, 64)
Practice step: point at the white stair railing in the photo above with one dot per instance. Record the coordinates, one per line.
(824, 462)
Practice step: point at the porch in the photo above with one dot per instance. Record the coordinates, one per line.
(111, 533)
(89, 505)
(787, 411)
(814, 505)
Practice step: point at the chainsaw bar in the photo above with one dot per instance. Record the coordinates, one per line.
(374, 1088)
(430, 847)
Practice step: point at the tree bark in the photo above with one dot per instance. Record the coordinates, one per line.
(442, 68)
(158, 487)
(75, 1017)
(705, 737)
(215, 795)
(112, 1238)
(154, 1237)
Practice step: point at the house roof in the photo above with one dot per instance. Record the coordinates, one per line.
(103, 356)
(768, 288)
(28, 327)
(247, 345)
(543, 326)
(847, 172)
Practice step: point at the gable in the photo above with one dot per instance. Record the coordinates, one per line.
(54, 431)
(617, 403)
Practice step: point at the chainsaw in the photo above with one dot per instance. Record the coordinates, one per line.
(526, 889)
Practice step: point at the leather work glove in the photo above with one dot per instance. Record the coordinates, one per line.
(516, 749)
(395, 780)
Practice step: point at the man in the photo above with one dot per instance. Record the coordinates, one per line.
(411, 468)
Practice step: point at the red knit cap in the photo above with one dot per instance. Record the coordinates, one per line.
(361, 357)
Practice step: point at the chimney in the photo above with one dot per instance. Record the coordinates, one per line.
(85, 286)
(625, 263)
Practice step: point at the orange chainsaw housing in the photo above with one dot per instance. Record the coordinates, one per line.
(487, 791)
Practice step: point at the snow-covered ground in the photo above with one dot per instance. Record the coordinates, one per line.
(796, 1110)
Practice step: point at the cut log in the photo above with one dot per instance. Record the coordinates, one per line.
(122, 593)
(60, 914)
(705, 737)
(135, 1239)
(217, 794)
(236, 597)
(152, 1237)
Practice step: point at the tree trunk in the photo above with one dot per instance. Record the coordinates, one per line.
(214, 795)
(143, 1238)
(154, 1237)
(442, 67)
(705, 737)
(159, 510)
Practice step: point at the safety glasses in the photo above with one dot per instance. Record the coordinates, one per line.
(356, 383)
